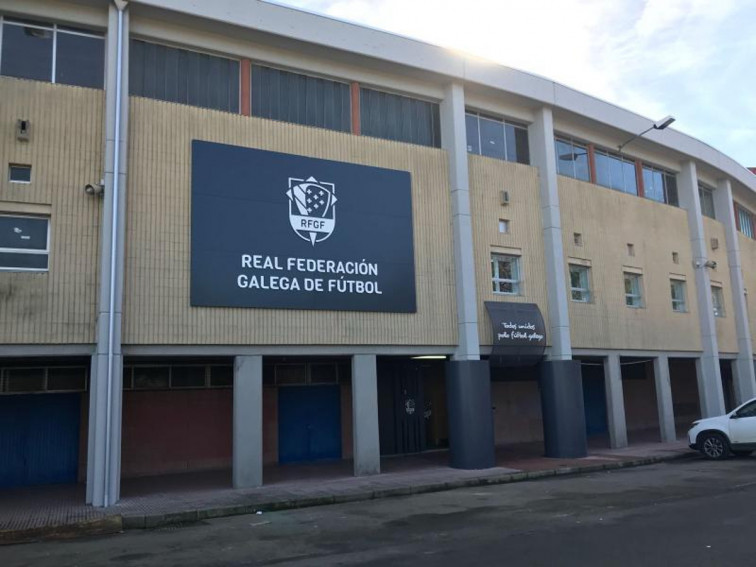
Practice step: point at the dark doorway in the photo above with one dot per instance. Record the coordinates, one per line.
(728, 384)
(309, 423)
(401, 403)
(594, 398)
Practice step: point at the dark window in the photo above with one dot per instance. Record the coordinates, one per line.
(497, 138)
(616, 172)
(301, 99)
(221, 376)
(188, 377)
(79, 60)
(19, 173)
(706, 196)
(24, 380)
(659, 185)
(28, 50)
(151, 377)
(23, 242)
(745, 221)
(572, 159)
(67, 378)
(187, 77)
(400, 118)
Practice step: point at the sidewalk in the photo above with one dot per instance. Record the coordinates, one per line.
(45, 512)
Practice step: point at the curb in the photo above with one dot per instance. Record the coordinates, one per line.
(100, 526)
(150, 521)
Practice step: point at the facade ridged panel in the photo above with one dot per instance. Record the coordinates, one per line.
(748, 265)
(65, 152)
(608, 221)
(156, 294)
(488, 178)
(716, 249)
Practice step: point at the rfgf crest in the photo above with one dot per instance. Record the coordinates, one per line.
(312, 208)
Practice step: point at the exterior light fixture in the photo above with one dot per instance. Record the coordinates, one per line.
(658, 125)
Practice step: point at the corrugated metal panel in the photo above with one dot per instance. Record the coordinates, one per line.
(156, 302)
(39, 439)
(65, 153)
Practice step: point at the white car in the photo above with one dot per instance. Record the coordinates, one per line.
(735, 432)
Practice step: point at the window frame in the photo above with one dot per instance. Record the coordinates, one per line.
(504, 123)
(704, 189)
(581, 145)
(55, 28)
(679, 305)
(665, 174)
(638, 278)
(496, 280)
(717, 301)
(19, 181)
(434, 108)
(623, 160)
(586, 291)
(742, 214)
(45, 252)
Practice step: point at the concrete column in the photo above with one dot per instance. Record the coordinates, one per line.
(248, 422)
(710, 382)
(542, 155)
(615, 402)
(664, 399)
(743, 372)
(106, 380)
(454, 141)
(366, 443)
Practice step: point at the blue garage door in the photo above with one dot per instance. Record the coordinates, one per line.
(39, 439)
(309, 423)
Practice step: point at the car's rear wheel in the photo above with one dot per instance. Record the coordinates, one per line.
(714, 446)
(741, 453)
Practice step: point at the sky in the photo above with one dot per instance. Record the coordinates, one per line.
(693, 59)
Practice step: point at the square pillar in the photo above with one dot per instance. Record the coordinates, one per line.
(615, 402)
(664, 399)
(248, 422)
(366, 443)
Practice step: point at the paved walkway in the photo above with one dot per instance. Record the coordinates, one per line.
(58, 511)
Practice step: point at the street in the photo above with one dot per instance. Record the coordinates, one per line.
(686, 512)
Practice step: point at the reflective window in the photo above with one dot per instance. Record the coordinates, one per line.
(401, 118)
(497, 138)
(717, 299)
(706, 195)
(660, 185)
(580, 290)
(633, 290)
(572, 159)
(677, 289)
(292, 97)
(616, 172)
(505, 274)
(183, 76)
(19, 173)
(24, 243)
(745, 221)
(48, 52)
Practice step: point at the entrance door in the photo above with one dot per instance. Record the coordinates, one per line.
(309, 423)
(401, 405)
(39, 439)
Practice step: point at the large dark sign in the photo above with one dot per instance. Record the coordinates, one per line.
(278, 230)
(519, 333)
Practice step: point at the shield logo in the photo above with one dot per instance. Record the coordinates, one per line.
(312, 208)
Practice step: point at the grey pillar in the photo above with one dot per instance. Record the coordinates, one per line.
(563, 410)
(468, 401)
(542, 155)
(664, 399)
(104, 439)
(454, 141)
(366, 443)
(248, 422)
(710, 382)
(743, 372)
(615, 402)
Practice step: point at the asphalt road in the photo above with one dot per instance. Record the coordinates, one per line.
(690, 513)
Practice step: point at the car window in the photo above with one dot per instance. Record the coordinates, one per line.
(748, 410)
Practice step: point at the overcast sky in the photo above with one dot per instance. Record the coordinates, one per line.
(694, 59)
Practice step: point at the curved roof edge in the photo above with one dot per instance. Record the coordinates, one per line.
(301, 25)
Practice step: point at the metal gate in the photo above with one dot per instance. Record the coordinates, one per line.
(309, 423)
(401, 404)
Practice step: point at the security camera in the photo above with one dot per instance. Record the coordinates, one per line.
(94, 189)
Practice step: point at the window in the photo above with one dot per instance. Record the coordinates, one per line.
(717, 301)
(706, 196)
(48, 52)
(660, 185)
(748, 410)
(292, 97)
(504, 226)
(577, 238)
(24, 243)
(616, 172)
(496, 138)
(633, 290)
(745, 221)
(22, 380)
(19, 173)
(572, 159)
(675, 258)
(187, 77)
(677, 288)
(505, 274)
(579, 284)
(400, 118)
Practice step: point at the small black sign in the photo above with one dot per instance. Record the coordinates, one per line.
(519, 333)
(276, 230)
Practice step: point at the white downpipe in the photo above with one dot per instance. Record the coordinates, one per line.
(113, 248)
